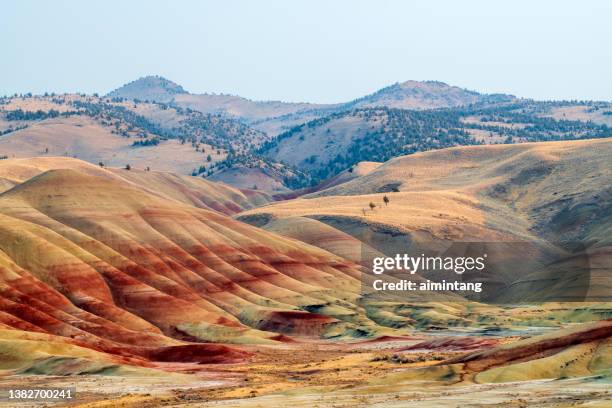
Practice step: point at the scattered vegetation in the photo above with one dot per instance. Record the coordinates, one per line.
(408, 358)
(12, 129)
(19, 114)
(147, 142)
(380, 134)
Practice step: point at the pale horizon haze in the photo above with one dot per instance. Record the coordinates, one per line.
(311, 51)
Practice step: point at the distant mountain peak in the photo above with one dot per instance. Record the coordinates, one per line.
(151, 87)
(439, 84)
(423, 95)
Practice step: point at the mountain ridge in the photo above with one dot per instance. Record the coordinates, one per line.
(407, 95)
(277, 146)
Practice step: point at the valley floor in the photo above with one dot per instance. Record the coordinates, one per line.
(315, 373)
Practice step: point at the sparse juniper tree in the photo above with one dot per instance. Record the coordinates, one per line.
(208, 158)
(128, 167)
(372, 206)
(101, 164)
(386, 200)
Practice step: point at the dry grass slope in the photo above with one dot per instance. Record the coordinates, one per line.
(551, 195)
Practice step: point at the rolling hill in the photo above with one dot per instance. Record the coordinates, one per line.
(189, 190)
(114, 263)
(554, 197)
(273, 117)
(276, 146)
(425, 95)
(405, 95)
(158, 89)
(150, 88)
(141, 277)
(86, 139)
(411, 95)
(116, 132)
(326, 146)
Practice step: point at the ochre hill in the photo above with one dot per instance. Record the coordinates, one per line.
(190, 190)
(578, 351)
(553, 196)
(106, 261)
(86, 139)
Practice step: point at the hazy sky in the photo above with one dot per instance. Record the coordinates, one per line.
(309, 50)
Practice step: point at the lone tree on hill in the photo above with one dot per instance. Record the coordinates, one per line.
(372, 206)
(101, 164)
(128, 167)
(386, 200)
